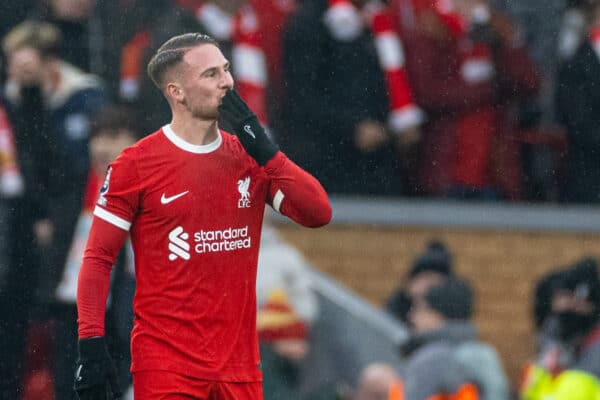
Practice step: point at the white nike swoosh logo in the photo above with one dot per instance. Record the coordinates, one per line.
(78, 374)
(248, 130)
(166, 200)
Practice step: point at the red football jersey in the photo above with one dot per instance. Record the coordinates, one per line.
(195, 215)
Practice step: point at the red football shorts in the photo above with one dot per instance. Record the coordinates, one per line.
(165, 385)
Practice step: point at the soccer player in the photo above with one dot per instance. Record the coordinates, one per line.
(192, 198)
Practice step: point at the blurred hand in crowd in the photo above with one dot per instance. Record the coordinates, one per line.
(370, 135)
(26, 67)
(408, 138)
(292, 349)
(43, 231)
(72, 10)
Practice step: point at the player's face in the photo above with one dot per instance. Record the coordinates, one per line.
(206, 79)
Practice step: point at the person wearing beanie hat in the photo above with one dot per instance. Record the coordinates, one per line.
(429, 268)
(435, 258)
(276, 320)
(453, 299)
(568, 337)
(444, 354)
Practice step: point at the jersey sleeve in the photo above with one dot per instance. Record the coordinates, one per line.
(103, 246)
(115, 210)
(296, 194)
(119, 196)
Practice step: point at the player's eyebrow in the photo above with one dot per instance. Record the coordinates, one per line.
(226, 66)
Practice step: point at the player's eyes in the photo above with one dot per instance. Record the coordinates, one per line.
(214, 72)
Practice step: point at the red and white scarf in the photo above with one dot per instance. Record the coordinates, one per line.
(346, 22)
(248, 59)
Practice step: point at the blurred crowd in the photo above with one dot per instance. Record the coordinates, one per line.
(484, 99)
(444, 357)
(467, 99)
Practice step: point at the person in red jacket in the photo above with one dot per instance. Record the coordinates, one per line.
(466, 64)
(191, 197)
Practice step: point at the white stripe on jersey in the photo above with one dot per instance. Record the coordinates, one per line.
(112, 218)
(277, 199)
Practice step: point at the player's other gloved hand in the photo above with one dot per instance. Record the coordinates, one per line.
(95, 376)
(247, 128)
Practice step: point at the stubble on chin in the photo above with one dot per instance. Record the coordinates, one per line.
(205, 113)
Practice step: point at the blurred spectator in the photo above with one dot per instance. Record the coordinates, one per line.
(578, 107)
(232, 23)
(568, 359)
(54, 102)
(51, 103)
(347, 87)
(272, 16)
(286, 309)
(81, 29)
(444, 355)
(468, 149)
(12, 325)
(429, 269)
(574, 27)
(541, 27)
(112, 130)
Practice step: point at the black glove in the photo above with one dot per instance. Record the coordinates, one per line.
(247, 128)
(95, 376)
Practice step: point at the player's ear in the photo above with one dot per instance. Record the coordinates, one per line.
(174, 91)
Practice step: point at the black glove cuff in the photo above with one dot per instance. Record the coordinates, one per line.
(92, 348)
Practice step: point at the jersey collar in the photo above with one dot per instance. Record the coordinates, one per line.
(192, 148)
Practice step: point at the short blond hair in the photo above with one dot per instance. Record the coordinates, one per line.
(171, 53)
(41, 36)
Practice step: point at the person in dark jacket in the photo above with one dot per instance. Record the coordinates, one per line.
(567, 362)
(444, 354)
(339, 107)
(52, 103)
(578, 107)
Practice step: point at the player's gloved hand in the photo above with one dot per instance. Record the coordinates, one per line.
(95, 376)
(247, 128)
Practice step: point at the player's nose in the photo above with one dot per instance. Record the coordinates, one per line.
(227, 81)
